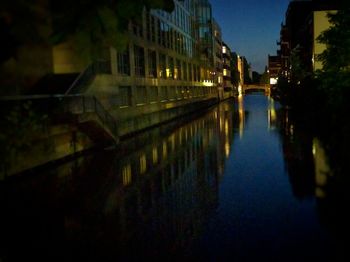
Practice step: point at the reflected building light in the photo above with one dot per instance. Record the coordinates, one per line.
(241, 116)
(155, 155)
(272, 116)
(126, 174)
(227, 149)
(210, 134)
(226, 128)
(240, 91)
(291, 130)
(143, 164)
(314, 149)
(165, 150)
(220, 124)
(172, 141)
(319, 193)
(322, 169)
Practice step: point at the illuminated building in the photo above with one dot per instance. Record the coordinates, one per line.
(304, 22)
(274, 67)
(320, 24)
(227, 57)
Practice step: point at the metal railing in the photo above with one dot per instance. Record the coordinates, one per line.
(87, 75)
(58, 105)
(78, 104)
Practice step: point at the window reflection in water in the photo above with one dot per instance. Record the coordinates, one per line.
(241, 115)
(157, 189)
(271, 113)
(126, 173)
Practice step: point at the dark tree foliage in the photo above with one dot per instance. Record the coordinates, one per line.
(335, 76)
(256, 78)
(90, 24)
(235, 75)
(337, 39)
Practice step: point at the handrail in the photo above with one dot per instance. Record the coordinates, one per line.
(74, 104)
(99, 66)
(90, 104)
(78, 79)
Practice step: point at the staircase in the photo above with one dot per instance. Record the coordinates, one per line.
(92, 118)
(86, 112)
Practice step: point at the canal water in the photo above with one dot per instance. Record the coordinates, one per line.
(239, 182)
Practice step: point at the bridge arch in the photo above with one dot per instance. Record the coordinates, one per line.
(265, 88)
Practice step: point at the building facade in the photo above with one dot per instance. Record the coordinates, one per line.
(227, 59)
(304, 22)
(168, 62)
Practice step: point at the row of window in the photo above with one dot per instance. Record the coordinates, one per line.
(169, 67)
(180, 17)
(152, 94)
(162, 33)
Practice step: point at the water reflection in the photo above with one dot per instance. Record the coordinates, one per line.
(311, 176)
(150, 198)
(298, 157)
(244, 181)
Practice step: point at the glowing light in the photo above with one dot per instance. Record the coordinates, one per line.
(126, 174)
(165, 150)
(273, 80)
(155, 155)
(143, 164)
(224, 50)
(225, 72)
(167, 72)
(227, 149)
(207, 83)
(226, 128)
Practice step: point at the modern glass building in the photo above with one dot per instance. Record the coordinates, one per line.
(169, 58)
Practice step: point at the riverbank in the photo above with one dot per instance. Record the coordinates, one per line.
(52, 137)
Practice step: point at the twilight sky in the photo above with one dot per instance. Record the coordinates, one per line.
(251, 27)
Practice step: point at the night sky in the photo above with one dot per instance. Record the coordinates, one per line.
(251, 27)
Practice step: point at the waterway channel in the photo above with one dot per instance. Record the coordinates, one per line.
(239, 182)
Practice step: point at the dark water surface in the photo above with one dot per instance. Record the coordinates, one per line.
(242, 182)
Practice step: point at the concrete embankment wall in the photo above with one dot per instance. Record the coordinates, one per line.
(55, 142)
(59, 141)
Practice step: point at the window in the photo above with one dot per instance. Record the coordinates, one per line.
(153, 29)
(185, 71)
(152, 64)
(190, 77)
(141, 95)
(153, 94)
(178, 69)
(179, 92)
(172, 93)
(170, 72)
(195, 73)
(139, 56)
(123, 61)
(163, 93)
(162, 66)
(124, 96)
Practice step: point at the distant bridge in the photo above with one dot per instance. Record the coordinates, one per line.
(265, 88)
